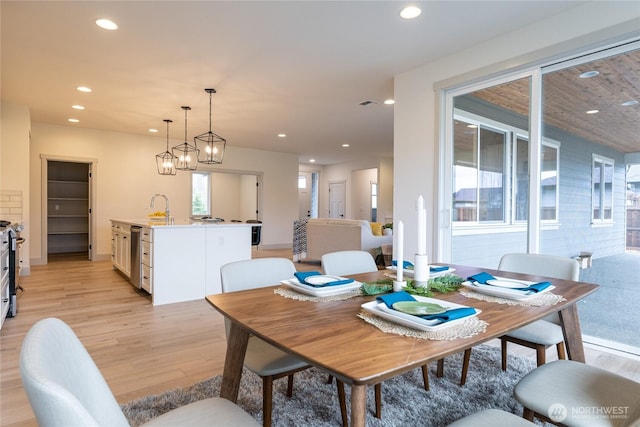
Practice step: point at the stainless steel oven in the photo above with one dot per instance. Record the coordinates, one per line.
(15, 241)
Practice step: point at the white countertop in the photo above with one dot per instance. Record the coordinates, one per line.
(180, 223)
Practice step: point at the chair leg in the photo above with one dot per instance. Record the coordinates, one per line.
(378, 394)
(290, 385)
(330, 379)
(503, 345)
(465, 366)
(541, 354)
(267, 400)
(561, 351)
(440, 369)
(425, 376)
(528, 414)
(343, 402)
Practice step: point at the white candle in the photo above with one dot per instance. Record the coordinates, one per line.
(422, 227)
(399, 252)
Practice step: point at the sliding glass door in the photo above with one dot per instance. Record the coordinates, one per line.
(489, 171)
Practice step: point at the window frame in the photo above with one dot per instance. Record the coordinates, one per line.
(605, 162)
(208, 193)
(510, 221)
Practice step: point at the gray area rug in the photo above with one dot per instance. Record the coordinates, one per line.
(404, 400)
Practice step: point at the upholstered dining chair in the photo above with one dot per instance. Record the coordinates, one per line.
(66, 388)
(543, 333)
(575, 394)
(261, 358)
(492, 418)
(355, 262)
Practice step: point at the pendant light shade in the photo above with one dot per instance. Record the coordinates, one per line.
(166, 161)
(185, 153)
(211, 146)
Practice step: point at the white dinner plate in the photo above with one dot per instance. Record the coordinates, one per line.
(508, 293)
(322, 279)
(380, 309)
(508, 283)
(323, 291)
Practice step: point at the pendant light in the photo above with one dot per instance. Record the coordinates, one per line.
(166, 161)
(185, 153)
(211, 146)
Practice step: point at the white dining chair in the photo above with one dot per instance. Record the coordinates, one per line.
(544, 333)
(541, 334)
(261, 358)
(492, 418)
(348, 262)
(575, 394)
(65, 387)
(343, 263)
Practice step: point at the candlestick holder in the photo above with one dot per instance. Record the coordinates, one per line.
(397, 286)
(421, 271)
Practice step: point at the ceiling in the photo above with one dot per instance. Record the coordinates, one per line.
(567, 98)
(296, 67)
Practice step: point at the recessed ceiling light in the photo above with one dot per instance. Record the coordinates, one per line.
(84, 89)
(346, 145)
(390, 101)
(312, 160)
(282, 135)
(589, 74)
(77, 107)
(74, 120)
(107, 24)
(410, 12)
(153, 130)
(593, 111)
(629, 103)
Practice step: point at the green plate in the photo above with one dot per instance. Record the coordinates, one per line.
(418, 308)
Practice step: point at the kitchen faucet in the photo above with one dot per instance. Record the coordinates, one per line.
(166, 205)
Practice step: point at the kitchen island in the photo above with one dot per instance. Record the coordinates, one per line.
(178, 261)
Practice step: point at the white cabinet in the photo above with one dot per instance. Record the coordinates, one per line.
(4, 272)
(180, 262)
(121, 247)
(146, 237)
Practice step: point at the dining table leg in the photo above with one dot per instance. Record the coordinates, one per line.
(237, 341)
(572, 333)
(358, 405)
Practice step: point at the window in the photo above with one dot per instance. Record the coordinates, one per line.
(549, 182)
(200, 194)
(302, 182)
(479, 173)
(491, 173)
(602, 189)
(374, 201)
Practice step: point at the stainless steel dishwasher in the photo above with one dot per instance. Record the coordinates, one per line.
(135, 276)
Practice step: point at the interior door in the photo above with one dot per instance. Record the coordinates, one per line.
(337, 199)
(304, 195)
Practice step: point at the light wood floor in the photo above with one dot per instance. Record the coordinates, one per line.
(140, 349)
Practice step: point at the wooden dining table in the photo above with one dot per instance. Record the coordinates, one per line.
(331, 336)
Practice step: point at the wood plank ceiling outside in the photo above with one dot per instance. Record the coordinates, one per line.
(567, 98)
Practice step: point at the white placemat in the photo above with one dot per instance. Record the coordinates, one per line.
(465, 329)
(291, 294)
(546, 298)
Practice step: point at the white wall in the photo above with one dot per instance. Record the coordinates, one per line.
(126, 178)
(361, 192)
(343, 172)
(14, 175)
(416, 111)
